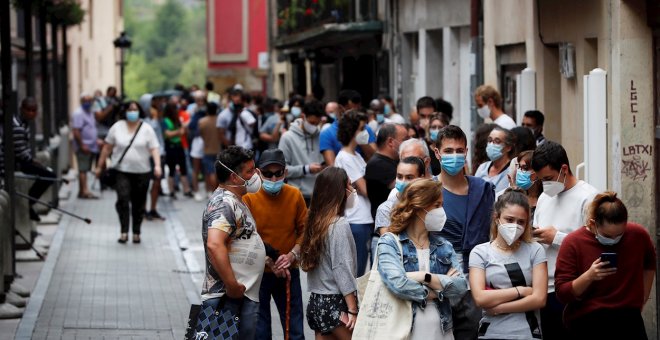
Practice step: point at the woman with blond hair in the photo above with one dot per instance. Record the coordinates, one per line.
(328, 256)
(429, 273)
(605, 272)
(509, 275)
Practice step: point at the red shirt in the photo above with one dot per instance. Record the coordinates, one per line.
(624, 289)
(184, 117)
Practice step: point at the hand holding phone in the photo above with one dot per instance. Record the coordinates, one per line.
(609, 257)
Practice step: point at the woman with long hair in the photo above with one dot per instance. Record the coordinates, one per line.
(605, 273)
(175, 155)
(328, 256)
(429, 273)
(509, 274)
(133, 170)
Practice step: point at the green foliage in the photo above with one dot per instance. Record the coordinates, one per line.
(66, 12)
(169, 45)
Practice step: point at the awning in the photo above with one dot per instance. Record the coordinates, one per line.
(330, 34)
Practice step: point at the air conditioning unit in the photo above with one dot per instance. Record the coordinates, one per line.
(567, 60)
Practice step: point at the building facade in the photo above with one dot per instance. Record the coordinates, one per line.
(237, 44)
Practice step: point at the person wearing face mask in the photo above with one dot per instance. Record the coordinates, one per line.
(430, 274)
(133, 172)
(235, 252)
(500, 150)
(606, 291)
(509, 274)
(489, 105)
(560, 209)
(85, 142)
(468, 202)
(300, 145)
(381, 168)
(437, 123)
(328, 254)
(352, 132)
(425, 110)
(235, 123)
(534, 120)
(525, 179)
(283, 233)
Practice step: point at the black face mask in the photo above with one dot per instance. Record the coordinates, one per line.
(236, 107)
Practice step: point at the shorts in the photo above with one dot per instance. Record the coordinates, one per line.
(197, 148)
(208, 164)
(324, 311)
(85, 161)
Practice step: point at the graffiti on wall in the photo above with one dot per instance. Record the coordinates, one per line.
(636, 168)
(633, 102)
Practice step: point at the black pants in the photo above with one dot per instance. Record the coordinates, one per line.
(39, 186)
(623, 323)
(174, 155)
(552, 325)
(131, 188)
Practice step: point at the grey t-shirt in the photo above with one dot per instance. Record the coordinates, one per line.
(383, 213)
(335, 273)
(506, 271)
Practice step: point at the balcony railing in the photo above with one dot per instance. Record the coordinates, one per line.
(294, 16)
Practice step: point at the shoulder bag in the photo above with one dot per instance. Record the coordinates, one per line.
(109, 176)
(382, 315)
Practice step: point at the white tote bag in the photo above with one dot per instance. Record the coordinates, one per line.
(382, 314)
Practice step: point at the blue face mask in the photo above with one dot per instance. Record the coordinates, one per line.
(387, 109)
(296, 111)
(86, 106)
(452, 163)
(433, 134)
(380, 117)
(400, 186)
(271, 187)
(606, 241)
(132, 116)
(523, 179)
(494, 151)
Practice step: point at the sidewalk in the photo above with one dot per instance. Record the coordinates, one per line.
(93, 287)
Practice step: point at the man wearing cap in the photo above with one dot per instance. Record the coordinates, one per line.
(279, 211)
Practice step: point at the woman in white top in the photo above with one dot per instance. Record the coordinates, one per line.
(499, 150)
(134, 170)
(351, 133)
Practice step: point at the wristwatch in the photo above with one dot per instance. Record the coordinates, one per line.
(427, 278)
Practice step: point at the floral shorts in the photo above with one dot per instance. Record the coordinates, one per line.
(324, 310)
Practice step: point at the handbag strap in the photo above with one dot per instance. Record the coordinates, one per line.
(129, 145)
(398, 243)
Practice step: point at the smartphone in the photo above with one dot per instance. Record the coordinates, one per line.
(609, 257)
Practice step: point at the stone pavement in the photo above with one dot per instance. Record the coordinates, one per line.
(99, 288)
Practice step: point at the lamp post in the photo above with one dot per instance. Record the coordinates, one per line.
(122, 43)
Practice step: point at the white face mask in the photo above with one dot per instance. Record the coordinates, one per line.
(362, 138)
(435, 219)
(252, 185)
(484, 112)
(553, 188)
(510, 232)
(350, 200)
(310, 128)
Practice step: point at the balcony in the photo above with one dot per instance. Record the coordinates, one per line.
(299, 21)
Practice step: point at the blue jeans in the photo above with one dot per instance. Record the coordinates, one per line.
(249, 315)
(276, 287)
(362, 236)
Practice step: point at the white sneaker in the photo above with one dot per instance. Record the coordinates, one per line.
(199, 197)
(9, 311)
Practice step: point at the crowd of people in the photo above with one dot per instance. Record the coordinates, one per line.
(511, 246)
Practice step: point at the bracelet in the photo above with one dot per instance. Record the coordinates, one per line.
(517, 291)
(296, 256)
(352, 313)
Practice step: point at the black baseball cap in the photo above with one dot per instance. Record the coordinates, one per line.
(272, 156)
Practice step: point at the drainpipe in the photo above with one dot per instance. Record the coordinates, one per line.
(476, 60)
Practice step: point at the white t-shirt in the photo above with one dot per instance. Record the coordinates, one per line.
(566, 212)
(137, 157)
(505, 122)
(355, 166)
(395, 118)
(244, 127)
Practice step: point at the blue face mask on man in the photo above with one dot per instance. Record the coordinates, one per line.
(494, 151)
(400, 186)
(524, 179)
(86, 106)
(433, 134)
(452, 163)
(271, 187)
(380, 118)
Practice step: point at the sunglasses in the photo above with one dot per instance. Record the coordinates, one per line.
(269, 174)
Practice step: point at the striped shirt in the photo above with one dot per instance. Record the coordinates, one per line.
(21, 133)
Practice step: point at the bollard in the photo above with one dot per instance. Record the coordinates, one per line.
(54, 147)
(43, 157)
(22, 207)
(5, 236)
(63, 153)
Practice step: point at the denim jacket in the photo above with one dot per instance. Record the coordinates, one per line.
(442, 259)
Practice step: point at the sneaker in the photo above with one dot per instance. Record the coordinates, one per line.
(155, 215)
(148, 216)
(199, 197)
(172, 195)
(189, 194)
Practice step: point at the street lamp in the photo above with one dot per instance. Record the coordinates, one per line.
(122, 43)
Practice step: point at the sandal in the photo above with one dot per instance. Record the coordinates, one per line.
(87, 196)
(123, 238)
(136, 238)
